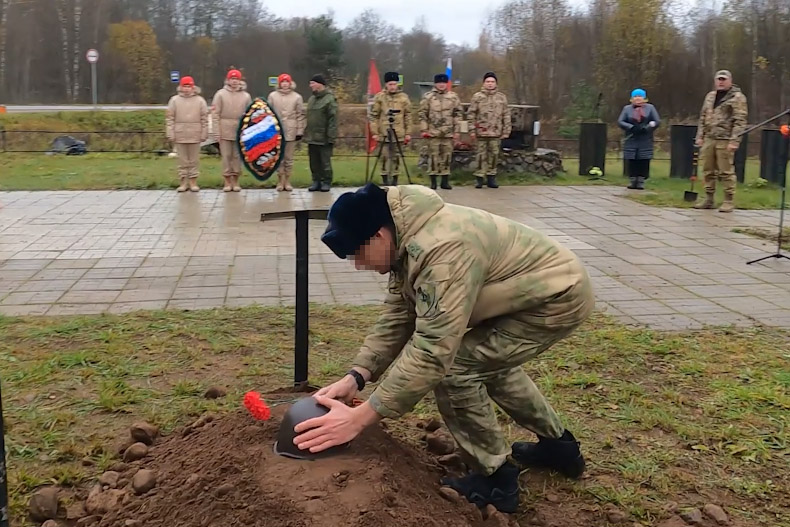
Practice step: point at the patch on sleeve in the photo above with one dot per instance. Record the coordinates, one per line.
(427, 301)
(414, 249)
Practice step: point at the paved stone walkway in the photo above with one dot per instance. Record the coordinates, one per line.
(91, 252)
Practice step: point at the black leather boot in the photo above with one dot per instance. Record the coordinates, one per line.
(633, 182)
(385, 180)
(562, 455)
(500, 489)
(492, 182)
(446, 183)
(394, 181)
(315, 186)
(433, 182)
(479, 183)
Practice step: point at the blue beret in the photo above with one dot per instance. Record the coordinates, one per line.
(639, 92)
(354, 218)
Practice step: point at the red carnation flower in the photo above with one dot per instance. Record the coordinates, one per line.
(257, 406)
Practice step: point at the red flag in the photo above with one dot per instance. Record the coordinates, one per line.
(374, 86)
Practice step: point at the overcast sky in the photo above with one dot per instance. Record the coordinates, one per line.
(458, 21)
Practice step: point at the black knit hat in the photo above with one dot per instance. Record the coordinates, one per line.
(440, 77)
(489, 74)
(354, 218)
(319, 79)
(391, 76)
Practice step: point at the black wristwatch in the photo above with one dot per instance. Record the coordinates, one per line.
(359, 378)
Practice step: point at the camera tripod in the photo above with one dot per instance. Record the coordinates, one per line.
(392, 140)
(786, 147)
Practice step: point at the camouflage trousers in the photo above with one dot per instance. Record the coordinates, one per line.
(718, 163)
(390, 164)
(489, 368)
(487, 156)
(440, 151)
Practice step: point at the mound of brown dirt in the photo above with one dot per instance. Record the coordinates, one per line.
(223, 473)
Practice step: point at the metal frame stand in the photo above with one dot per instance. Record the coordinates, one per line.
(778, 254)
(392, 139)
(301, 325)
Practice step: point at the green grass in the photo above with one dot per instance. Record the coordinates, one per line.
(133, 172)
(661, 416)
(766, 234)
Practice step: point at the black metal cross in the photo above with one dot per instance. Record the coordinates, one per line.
(301, 332)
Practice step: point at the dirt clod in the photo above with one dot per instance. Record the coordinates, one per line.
(224, 489)
(692, 516)
(44, 504)
(433, 425)
(674, 521)
(143, 432)
(553, 498)
(101, 502)
(440, 443)
(75, 511)
(215, 392)
(109, 478)
(50, 523)
(449, 494)
(119, 467)
(452, 462)
(616, 516)
(143, 481)
(135, 452)
(716, 513)
(88, 520)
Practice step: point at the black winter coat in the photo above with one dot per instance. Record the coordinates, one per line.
(638, 144)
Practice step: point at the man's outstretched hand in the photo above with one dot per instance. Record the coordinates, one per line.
(339, 426)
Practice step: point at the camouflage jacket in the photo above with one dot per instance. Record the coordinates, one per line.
(458, 266)
(440, 113)
(379, 120)
(489, 114)
(725, 121)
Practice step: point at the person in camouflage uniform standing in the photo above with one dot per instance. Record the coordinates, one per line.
(472, 296)
(390, 98)
(320, 133)
(721, 122)
(489, 116)
(440, 123)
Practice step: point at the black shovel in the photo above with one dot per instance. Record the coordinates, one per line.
(690, 195)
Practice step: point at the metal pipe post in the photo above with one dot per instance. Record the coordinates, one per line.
(4, 521)
(93, 85)
(301, 334)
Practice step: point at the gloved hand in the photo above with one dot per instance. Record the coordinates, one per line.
(426, 135)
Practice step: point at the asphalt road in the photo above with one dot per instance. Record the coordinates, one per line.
(80, 108)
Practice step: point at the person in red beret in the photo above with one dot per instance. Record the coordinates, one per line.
(289, 107)
(186, 125)
(229, 104)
